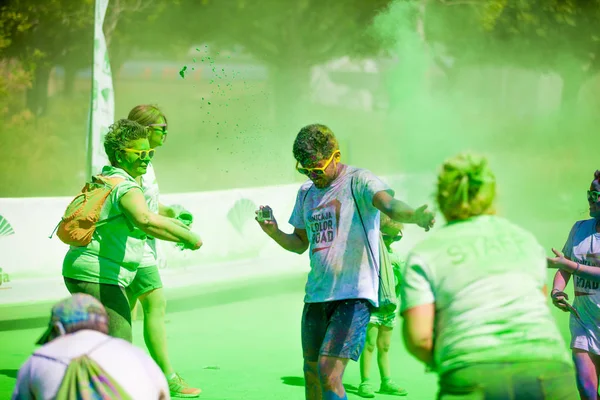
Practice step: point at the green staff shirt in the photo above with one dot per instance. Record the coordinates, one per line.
(485, 276)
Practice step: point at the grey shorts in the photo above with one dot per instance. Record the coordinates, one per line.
(335, 328)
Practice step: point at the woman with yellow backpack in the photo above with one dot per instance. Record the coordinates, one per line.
(108, 223)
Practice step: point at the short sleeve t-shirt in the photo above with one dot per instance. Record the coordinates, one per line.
(485, 276)
(149, 185)
(116, 249)
(42, 374)
(583, 240)
(341, 264)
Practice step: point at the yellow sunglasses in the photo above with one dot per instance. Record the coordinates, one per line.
(318, 170)
(142, 154)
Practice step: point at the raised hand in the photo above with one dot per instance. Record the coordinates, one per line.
(559, 261)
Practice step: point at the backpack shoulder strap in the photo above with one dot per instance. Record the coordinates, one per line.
(362, 223)
(110, 180)
(306, 194)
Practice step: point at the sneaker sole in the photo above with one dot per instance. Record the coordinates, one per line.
(366, 396)
(399, 394)
(184, 396)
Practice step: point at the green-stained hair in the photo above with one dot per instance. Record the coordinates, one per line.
(119, 135)
(466, 187)
(387, 224)
(314, 143)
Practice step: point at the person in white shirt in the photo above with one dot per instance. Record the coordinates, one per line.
(147, 286)
(78, 330)
(336, 218)
(579, 257)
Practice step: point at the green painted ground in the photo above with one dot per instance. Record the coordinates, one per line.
(242, 350)
(252, 333)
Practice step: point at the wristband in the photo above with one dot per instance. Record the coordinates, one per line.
(576, 269)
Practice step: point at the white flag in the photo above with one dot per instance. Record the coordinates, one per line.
(102, 110)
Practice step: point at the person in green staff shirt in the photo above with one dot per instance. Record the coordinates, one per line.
(473, 299)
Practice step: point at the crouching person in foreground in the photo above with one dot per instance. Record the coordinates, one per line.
(78, 360)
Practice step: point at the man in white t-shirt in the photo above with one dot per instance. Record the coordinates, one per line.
(78, 327)
(336, 217)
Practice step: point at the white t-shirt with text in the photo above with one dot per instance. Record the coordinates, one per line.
(585, 333)
(341, 264)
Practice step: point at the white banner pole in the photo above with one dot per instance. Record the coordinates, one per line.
(102, 107)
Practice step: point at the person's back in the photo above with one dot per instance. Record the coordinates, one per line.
(42, 374)
(78, 360)
(473, 299)
(487, 275)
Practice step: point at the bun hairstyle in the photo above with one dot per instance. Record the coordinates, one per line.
(597, 175)
(466, 187)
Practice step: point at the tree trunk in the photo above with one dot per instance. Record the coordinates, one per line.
(37, 94)
(572, 84)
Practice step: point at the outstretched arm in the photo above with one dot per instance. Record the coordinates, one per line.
(402, 212)
(135, 208)
(568, 267)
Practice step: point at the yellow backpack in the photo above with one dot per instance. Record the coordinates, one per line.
(82, 215)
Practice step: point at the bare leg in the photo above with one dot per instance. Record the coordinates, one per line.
(312, 383)
(331, 372)
(587, 374)
(367, 354)
(154, 305)
(384, 338)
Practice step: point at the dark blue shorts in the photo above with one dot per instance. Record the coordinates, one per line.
(335, 328)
